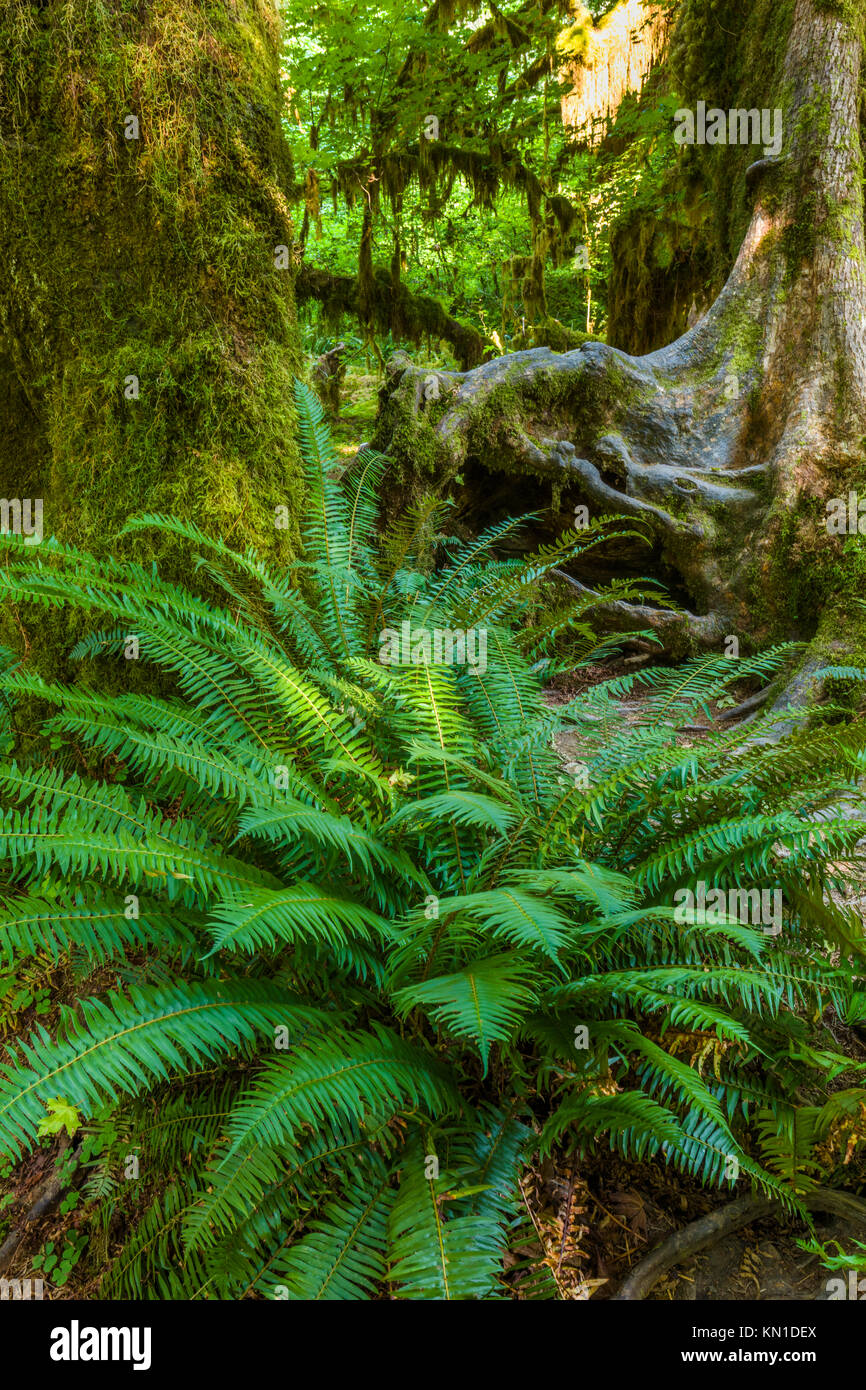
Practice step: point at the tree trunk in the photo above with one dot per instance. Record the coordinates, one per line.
(148, 338)
(616, 57)
(729, 442)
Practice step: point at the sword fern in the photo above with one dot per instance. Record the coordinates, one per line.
(387, 915)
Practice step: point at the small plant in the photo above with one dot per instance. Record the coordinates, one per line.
(56, 1264)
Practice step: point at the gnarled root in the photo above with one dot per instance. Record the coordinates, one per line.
(618, 435)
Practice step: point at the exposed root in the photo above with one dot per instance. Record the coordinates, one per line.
(713, 1227)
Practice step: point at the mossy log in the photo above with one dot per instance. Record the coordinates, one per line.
(391, 308)
(728, 443)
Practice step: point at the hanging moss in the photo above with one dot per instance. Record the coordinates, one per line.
(390, 307)
(148, 336)
(660, 269)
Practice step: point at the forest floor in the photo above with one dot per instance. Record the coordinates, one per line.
(587, 1224)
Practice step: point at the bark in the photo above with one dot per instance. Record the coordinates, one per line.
(728, 442)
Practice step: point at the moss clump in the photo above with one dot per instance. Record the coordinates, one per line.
(149, 338)
(849, 10)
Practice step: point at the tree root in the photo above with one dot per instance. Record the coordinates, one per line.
(713, 1227)
(676, 629)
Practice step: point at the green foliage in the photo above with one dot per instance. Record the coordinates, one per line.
(432, 158)
(368, 912)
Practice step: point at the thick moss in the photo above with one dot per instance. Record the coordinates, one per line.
(806, 575)
(148, 334)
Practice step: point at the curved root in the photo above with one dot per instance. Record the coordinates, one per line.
(713, 1227)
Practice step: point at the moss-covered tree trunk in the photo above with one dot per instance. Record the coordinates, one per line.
(147, 329)
(730, 443)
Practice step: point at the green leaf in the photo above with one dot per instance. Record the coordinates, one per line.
(60, 1116)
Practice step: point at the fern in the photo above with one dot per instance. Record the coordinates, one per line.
(392, 947)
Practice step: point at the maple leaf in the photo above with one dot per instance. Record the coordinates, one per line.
(60, 1116)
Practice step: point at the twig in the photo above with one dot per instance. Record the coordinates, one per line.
(566, 1223)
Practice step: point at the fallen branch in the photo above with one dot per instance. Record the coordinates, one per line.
(48, 1196)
